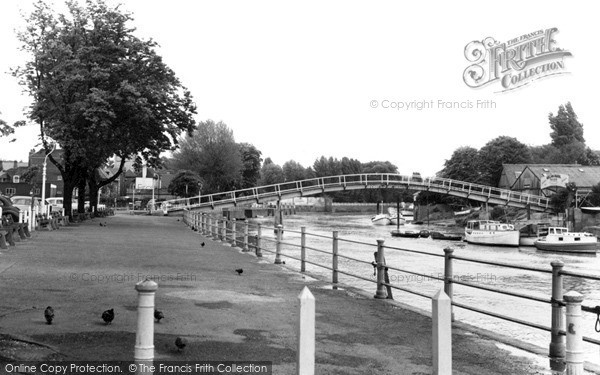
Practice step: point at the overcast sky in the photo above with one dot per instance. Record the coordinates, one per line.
(300, 79)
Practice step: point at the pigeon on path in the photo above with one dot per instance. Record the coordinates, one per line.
(108, 316)
(49, 314)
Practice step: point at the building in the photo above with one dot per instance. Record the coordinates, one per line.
(547, 179)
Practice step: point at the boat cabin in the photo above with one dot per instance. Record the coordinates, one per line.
(488, 225)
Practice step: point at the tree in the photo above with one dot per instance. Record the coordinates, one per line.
(563, 198)
(271, 173)
(565, 126)
(212, 153)
(594, 197)
(498, 151)
(379, 167)
(463, 165)
(185, 184)
(98, 90)
(293, 171)
(251, 161)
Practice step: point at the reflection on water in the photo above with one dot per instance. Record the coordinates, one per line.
(358, 228)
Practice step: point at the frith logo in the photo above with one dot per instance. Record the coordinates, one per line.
(515, 63)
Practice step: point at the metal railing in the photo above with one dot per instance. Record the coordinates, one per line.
(227, 231)
(320, 185)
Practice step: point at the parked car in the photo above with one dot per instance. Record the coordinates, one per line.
(8, 208)
(23, 202)
(56, 202)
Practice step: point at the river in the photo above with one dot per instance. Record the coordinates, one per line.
(358, 227)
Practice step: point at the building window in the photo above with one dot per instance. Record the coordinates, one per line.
(58, 178)
(11, 191)
(16, 179)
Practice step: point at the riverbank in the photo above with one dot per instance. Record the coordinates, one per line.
(84, 269)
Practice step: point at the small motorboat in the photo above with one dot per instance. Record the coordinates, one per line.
(406, 233)
(491, 232)
(395, 217)
(531, 233)
(380, 219)
(561, 240)
(446, 236)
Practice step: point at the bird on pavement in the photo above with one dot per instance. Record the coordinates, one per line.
(180, 343)
(239, 271)
(202, 244)
(108, 316)
(49, 314)
(158, 315)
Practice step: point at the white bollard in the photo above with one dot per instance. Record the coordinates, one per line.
(441, 314)
(144, 337)
(306, 334)
(574, 357)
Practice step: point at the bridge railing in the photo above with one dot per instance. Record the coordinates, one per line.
(296, 247)
(314, 185)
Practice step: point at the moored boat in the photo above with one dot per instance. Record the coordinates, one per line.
(406, 233)
(561, 240)
(532, 232)
(380, 219)
(446, 236)
(491, 232)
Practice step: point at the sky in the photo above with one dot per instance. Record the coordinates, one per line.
(304, 79)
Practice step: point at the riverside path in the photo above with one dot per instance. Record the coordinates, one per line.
(84, 269)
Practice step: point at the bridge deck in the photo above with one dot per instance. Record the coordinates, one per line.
(480, 193)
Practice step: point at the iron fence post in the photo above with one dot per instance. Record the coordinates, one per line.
(380, 293)
(334, 277)
(233, 233)
(245, 248)
(258, 241)
(448, 274)
(302, 249)
(557, 341)
(278, 245)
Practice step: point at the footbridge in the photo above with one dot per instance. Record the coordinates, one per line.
(314, 186)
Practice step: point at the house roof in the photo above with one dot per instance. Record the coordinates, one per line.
(583, 176)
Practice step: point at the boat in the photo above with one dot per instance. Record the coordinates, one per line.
(380, 219)
(446, 236)
(406, 233)
(590, 210)
(491, 232)
(561, 240)
(395, 219)
(532, 232)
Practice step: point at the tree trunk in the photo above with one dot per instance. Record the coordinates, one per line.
(81, 191)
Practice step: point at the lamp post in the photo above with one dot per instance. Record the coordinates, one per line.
(43, 204)
(154, 179)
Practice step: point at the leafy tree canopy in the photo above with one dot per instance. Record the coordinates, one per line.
(565, 126)
(185, 184)
(212, 153)
(498, 151)
(463, 165)
(99, 90)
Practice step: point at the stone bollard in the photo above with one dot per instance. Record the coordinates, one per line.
(380, 271)
(144, 337)
(441, 315)
(278, 244)
(306, 334)
(574, 329)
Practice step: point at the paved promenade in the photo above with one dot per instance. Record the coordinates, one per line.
(87, 268)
